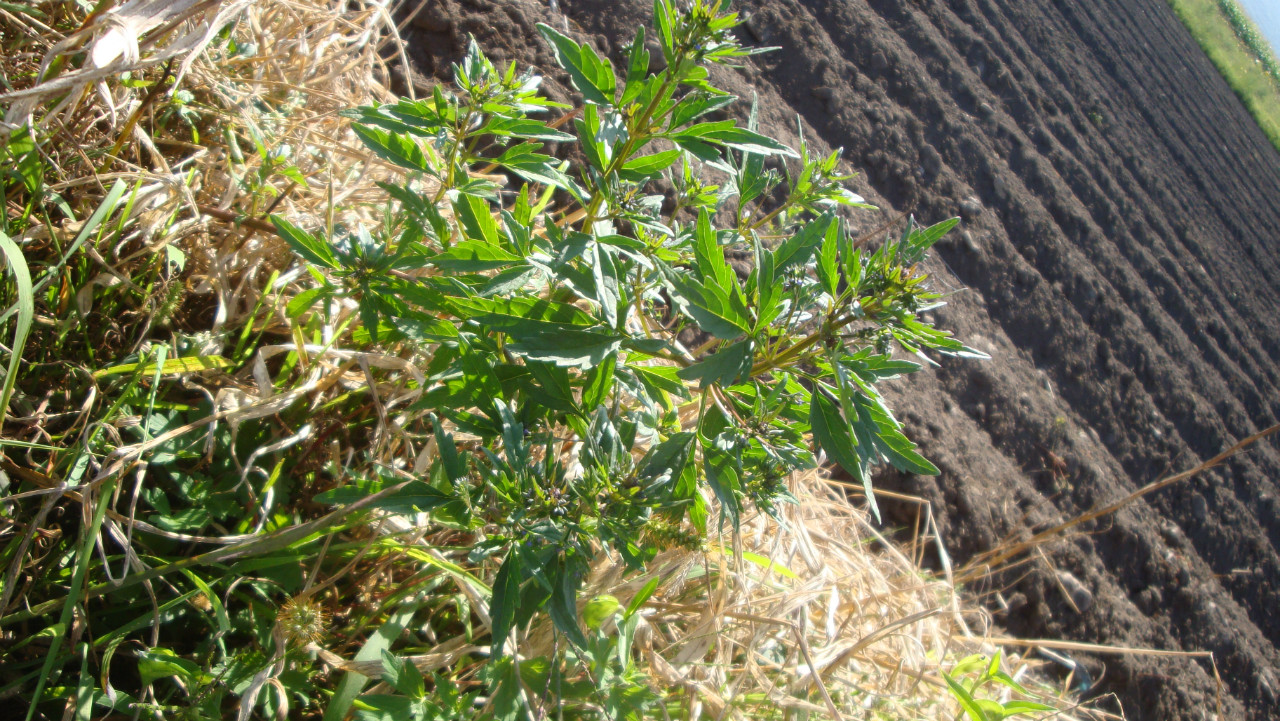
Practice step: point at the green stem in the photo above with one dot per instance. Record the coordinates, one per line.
(828, 330)
(452, 162)
(640, 135)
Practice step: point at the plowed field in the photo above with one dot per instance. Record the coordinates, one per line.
(1120, 260)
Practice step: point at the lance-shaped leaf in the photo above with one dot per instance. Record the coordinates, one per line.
(476, 219)
(563, 607)
(711, 265)
(394, 148)
(525, 161)
(563, 345)
(415, 497)
(710, 309)
(647, 166)
(472, 256)
(313, 249)
(832, 434)
(728, 134)
(526, 128)
(799, 248)
(725, 367)
(637, 68)
(505, 599)
(591, 74)
(667, 460)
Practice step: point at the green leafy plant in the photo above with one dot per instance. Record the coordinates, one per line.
(594, 360)
(526, 365)
(976, 674)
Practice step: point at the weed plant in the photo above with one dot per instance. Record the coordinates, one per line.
(503, 380)
(567, 415)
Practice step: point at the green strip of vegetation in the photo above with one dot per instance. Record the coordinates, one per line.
(1251, 36)
(1236, 46)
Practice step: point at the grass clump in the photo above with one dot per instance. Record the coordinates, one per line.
(1242, 55)
(407, 418)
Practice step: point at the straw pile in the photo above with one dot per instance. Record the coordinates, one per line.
(811, 613)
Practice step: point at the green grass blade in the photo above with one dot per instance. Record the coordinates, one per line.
(102, 212)
(26, 315)
(353, 683)
(73, 595)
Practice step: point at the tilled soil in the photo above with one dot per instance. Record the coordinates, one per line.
(1119, 260)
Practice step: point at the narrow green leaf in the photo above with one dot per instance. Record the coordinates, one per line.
(1013, 708)
(454, 467)
(725, 367)
(24, 9)
(966, 700)
(529, 128)
(563, 607)
(711, 265)
(726, 133)
(523, 160)
(901, 452)
(172, 366)
(506, 597)
(643, 595)
(413, 498)
(471, 256)
(592, 76)
(604, 271)
(26, 316)
(311, 248)
(828, 272)
(650, 165)
(508, 314)
(24, 158)
(637, 68)
(768, 289)
(799, 248)
(921, 240)
(700, 149)
(352, 683)
(478, 223)
(723, 470)
(695, 106)
(770, 564)
(832, 433)
(664, 20)
(549, 385)
(563, 345)
(664, 377)
(702, 303)
(669, 458)
(85, 688)
(302, 302)
(599, 383)
(513, 441)
(397, 149)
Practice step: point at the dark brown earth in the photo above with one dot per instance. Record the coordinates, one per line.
(1119, 260)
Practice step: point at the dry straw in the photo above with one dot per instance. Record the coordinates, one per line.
(810, 614)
